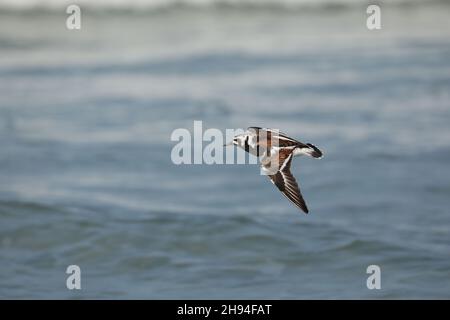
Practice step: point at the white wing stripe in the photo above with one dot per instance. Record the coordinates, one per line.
(284, 165)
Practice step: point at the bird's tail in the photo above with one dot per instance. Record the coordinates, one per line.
(313, 151)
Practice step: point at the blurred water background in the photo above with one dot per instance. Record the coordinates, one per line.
(86, 176)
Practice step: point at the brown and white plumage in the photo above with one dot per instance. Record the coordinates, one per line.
(277, 151)
(285, 181)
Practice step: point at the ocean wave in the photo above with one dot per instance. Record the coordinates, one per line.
(118, 5)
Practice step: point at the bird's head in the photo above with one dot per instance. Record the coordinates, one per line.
(237, 141)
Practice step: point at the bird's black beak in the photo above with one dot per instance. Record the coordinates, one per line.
(228, 144)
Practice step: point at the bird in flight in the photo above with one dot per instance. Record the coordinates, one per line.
(276, 151)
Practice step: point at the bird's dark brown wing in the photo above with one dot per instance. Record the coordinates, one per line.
(286, 183)
(270, 137)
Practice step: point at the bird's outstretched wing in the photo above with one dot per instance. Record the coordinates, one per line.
(285, 181)
(268, 138)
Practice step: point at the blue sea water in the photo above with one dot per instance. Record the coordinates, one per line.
(86, 176)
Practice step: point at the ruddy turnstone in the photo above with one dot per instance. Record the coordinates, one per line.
(276, 151)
